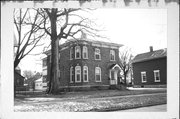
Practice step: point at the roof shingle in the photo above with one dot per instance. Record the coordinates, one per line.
(150, 55)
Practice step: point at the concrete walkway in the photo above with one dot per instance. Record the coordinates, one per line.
(156, 108)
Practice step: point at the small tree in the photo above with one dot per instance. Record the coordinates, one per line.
(125, 62)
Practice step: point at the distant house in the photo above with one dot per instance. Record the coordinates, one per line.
(86, 63)
(39, 85)
(150, 69)
(19, 79)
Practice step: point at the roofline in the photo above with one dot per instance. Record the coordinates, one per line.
(101, 43)
(149, 59)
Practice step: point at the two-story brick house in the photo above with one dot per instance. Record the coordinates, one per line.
(85, 64)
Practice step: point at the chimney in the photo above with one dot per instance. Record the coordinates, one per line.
(151, 48)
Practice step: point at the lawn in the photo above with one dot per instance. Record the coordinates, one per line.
(107, 100)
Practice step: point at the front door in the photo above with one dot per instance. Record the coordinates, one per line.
(113, 77)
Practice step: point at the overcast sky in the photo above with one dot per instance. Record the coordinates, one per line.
(134, 28)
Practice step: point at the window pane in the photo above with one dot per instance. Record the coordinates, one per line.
(78, 77)
(97, 77)
(85, 77)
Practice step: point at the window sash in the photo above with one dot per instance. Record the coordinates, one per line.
(71, 74)
(77, 52)
(98, 74)
(78, 74)
(85, 52)
(143, 77)
(85, 74)
(112, 55)
(97, 54)
(156, 76)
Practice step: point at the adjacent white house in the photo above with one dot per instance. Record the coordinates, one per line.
(39, 85)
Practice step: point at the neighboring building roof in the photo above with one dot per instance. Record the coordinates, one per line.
(39, 80)
(150, 55)
(16, 73)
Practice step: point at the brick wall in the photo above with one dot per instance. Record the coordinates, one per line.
(149, 67)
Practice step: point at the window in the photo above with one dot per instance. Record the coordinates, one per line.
(97, 54)
(112, 55)
(156, 75)
(77, 52)
(85, 52)
(85, 74)
(71, 74)
(98, 74)
(71, 53)
(78, 74)
(143, 77)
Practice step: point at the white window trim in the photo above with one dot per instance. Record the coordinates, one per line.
(97, 54)
(85, 51)
(142, 77)
(113, 53)
(85, 67)
(155, 71)
(71, 52)
(95, 74)
(76, 74)
(79, 53)
(71, 74)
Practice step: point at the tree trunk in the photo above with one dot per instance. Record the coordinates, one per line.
(54, 81)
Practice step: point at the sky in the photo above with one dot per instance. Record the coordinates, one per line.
(137, 29)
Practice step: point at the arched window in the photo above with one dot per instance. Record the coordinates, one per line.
(98, 74)
(71, 53)
(112, 55)
(78, 74)
(85, 52)
(71, 74)
(77, 52)
(97, 54)
(85, 74)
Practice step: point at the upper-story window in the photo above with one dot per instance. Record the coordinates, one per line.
(85, 52)
(97, 54)
(71, 74)
(143, 77)
(156, 75)
(98, 74)
(77, 52)
(71, 53)
(85, 74)
(112, 55)
(78, 74)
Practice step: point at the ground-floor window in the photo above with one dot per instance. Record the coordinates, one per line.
(85, 74)
(71, 74)
(98, 74)
(143, 77)
(156, 75)
(78, 74)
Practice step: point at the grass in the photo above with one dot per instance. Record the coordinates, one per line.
(91, 94)
(104, 100)
(94, 104)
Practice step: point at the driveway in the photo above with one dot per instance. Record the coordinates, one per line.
(157, 108)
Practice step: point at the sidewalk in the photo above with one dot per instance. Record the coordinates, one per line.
(156, 108)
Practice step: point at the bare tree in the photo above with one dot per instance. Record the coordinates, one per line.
(63, 24)
(125, 58)
(26, 34)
